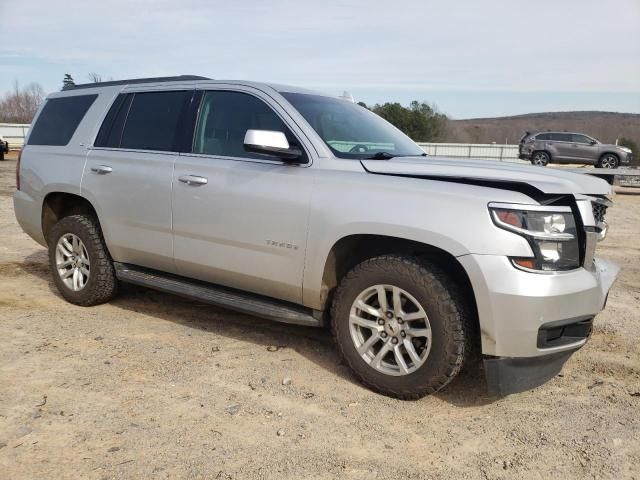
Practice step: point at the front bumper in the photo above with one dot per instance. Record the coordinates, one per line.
(531, 323)
(512, 375)
(514, 304)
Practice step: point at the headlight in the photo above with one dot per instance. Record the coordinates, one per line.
(625, 149)
(551, 232)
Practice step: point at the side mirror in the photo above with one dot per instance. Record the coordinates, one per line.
(269, 142)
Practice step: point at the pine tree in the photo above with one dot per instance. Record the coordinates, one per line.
(67, 82)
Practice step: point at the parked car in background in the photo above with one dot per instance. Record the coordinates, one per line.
(542, 148)
(4, 147)
(312, 210)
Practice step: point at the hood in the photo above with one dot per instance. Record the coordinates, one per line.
(544, 179)
(611, 146)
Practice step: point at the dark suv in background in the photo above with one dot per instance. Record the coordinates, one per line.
(542, 148)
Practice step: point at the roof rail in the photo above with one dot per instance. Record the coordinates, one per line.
(179, 78)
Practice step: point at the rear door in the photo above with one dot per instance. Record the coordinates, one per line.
(240, 219)
(562, 147)
(128, 175)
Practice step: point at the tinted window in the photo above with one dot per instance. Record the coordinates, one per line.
(224, 120)
(543, 136)
(561, 137)
(152, 120)
(580, 138)
(59, 120)
(111, 129)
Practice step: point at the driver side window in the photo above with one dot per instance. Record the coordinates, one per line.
(580, 139)
(224, 120)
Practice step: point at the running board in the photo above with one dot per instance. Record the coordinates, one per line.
(221, 296)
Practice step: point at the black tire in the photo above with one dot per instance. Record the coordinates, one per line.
(608, 160)
(102, 284)
(540, 159)
(444, 306)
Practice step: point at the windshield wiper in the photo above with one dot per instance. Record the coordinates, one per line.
(387, 156)
(380, 156)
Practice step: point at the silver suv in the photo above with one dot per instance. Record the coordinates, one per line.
(566, 147)
(311, 210)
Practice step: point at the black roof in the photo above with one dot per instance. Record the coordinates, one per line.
(136, 80)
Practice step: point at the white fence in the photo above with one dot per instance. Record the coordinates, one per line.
(14, 133)
(493, 151)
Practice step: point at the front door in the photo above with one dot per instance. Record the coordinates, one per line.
(240, 219)
(584, 150)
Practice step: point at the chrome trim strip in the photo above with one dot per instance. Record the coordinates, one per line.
(535, 208)
(556, 237)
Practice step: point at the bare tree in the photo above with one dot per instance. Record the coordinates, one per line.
(95, 77)
(21, 104)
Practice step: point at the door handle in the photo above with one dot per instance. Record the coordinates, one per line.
(102, 169)
(193, 180)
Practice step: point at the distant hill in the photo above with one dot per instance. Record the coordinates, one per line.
(605, 126)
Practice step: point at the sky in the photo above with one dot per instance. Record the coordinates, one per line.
(471, 58)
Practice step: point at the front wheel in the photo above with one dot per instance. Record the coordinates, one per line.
(399, 324)
(541, 159)
(80, 263)
(608, 161)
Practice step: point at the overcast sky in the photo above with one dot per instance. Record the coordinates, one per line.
(472, 58)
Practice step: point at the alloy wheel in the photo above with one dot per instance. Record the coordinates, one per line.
(390, 330)
(540, 159)
(72, 262)
(609, 161)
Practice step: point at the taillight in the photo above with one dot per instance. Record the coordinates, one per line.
(18, 170)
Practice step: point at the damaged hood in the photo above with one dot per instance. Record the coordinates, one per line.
(544, 179)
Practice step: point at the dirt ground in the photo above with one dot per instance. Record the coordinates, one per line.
(154, 386)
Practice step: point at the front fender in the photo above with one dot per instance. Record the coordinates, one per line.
(450, 216)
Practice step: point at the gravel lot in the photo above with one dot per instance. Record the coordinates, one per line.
(154, 386)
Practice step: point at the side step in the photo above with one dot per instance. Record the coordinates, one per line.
(221, 296)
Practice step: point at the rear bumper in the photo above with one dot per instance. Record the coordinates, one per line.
(27, 212)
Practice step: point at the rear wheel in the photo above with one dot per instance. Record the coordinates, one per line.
(399, 324)
(80, 263)
(541, 159)
(608, 160)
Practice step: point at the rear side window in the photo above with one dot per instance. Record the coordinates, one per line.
(561, 137)
(143, 121)
(152, 121)
(59, 120)
(543, 136)
(111, 130)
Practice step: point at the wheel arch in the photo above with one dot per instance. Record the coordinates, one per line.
(609, 152)
(543, 150)
(57, 205)
(351, 250)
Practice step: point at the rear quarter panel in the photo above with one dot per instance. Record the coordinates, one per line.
(47, 169)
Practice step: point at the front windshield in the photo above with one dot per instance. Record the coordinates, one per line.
(352, 131)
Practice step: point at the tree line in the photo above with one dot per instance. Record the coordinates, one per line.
(421, 121)
(20, 104)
